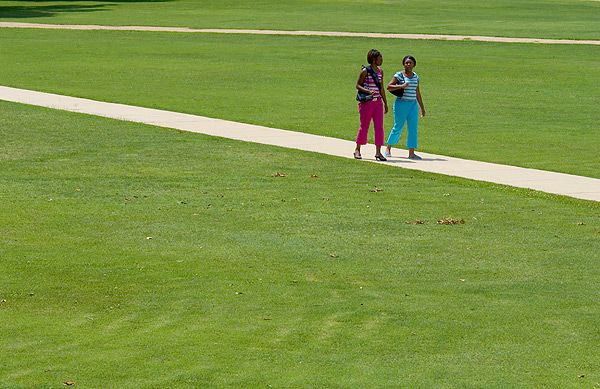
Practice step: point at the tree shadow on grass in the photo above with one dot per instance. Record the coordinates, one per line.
(19, 12)
(37, 10)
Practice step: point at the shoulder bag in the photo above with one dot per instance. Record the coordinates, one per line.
(364, 97)
(398, 92)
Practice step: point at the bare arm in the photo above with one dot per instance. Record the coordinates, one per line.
(420, 101)
(393, 85)
(383, 96)
(360, 82)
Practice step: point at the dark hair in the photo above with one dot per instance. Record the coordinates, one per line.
(371, 55)
(409, 57)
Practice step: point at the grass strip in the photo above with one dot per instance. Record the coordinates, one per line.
(510, 104)
(565, 19)
(135, 256)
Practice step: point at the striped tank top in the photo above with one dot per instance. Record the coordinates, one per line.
(410, 92)
(369, 83)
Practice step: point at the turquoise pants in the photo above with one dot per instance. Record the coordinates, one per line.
(405, 112)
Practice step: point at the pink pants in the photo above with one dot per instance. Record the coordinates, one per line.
(370, 110)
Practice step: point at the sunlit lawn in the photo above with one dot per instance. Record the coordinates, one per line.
(503, 103)
(142, 257)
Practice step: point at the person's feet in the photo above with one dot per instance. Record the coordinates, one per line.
(357, 154)
(414, 156)
(388, 152)
(380, 158)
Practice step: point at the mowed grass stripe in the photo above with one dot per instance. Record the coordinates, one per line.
(486, 101)
(138, 256)
(300, 33)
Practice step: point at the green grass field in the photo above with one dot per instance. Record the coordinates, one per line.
(127, 263)
(567, 19)
(506, 103)
(141, 257)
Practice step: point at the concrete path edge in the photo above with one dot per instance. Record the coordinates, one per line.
(550, 182)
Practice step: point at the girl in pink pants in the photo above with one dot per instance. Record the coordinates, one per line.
(374, 109)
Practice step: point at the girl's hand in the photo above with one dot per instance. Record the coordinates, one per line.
(385, 108)
(423, 112)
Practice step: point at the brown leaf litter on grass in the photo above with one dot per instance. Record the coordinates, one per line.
(415, 222)
(376, 190)
(451, 221)
(278, 174)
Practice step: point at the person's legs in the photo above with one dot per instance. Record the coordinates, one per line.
(412, 124)
(366, 114)
(378, 123)
(400, 114)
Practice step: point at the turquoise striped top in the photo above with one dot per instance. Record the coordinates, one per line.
(410, 92)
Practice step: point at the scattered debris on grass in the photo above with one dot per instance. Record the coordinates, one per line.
(581, 224)
(451, 221)
(314, 176)
(333, 255)
(278, 174)
(376, 190)
(415, 222)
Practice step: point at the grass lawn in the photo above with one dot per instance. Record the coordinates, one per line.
(566, 19)
(135, 256)
(515, 104)
(140, 257)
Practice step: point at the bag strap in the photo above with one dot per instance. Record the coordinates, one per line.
(374, 77)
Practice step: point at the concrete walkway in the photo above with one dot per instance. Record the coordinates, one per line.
(556, 183)
(302, 33)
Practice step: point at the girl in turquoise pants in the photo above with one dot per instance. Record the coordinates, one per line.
(406, 108)
(405, 112)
